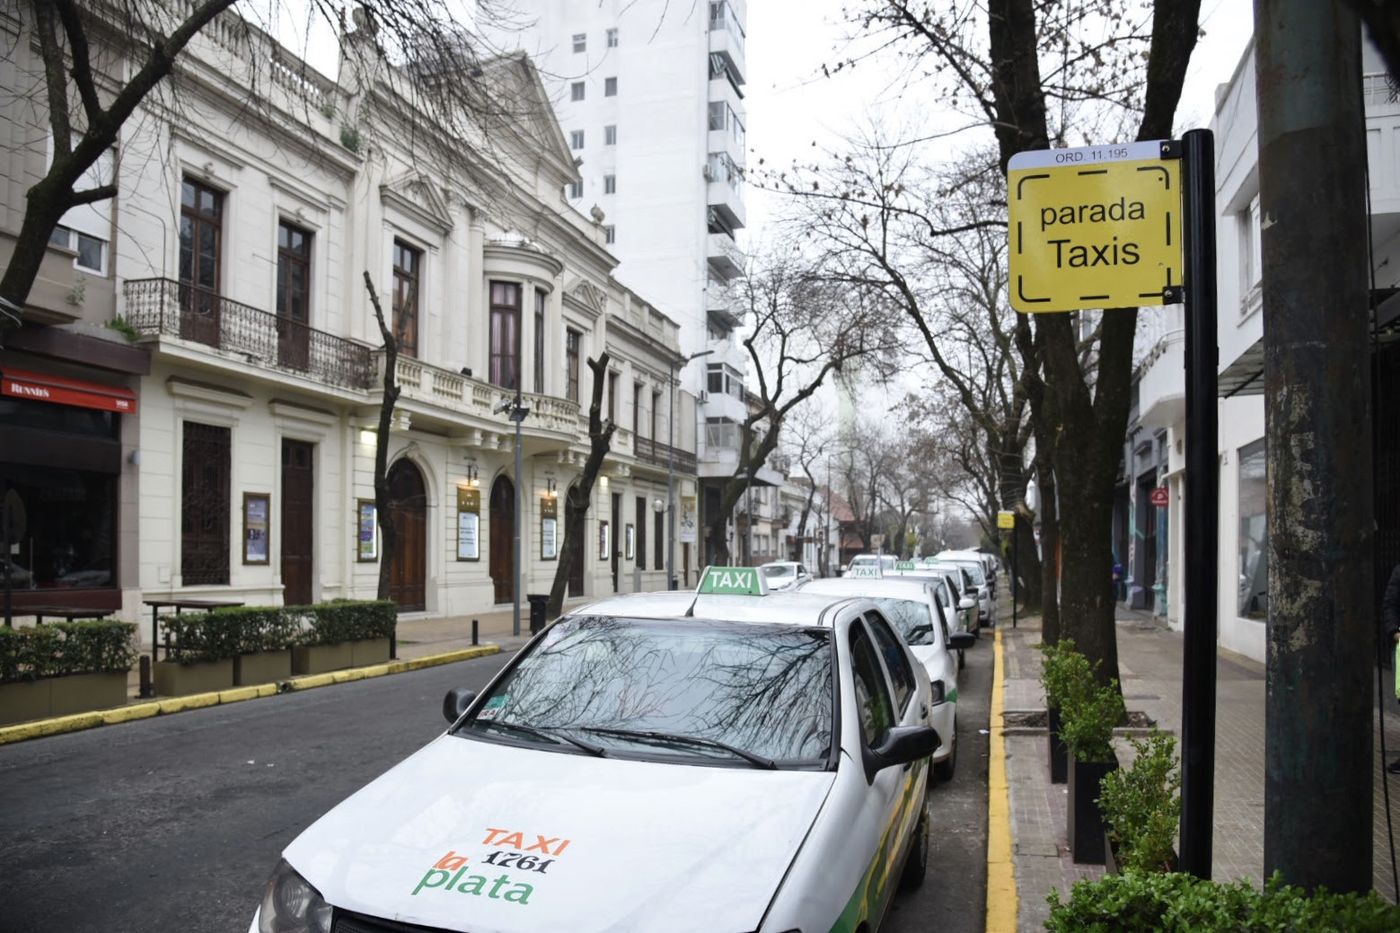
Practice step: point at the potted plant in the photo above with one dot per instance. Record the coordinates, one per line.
(1088, 714)
(1141, 807)
(265, 643)
(63, 668)
(343, 633)
(1053, 673)
(200, 655)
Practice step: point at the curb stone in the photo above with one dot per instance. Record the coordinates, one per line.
(78, 722)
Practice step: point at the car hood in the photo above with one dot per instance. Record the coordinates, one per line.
(630, 845)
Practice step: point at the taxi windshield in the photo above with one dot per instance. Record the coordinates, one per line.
(778, 570)
(689, 690)
(912, 618)
(974, 571)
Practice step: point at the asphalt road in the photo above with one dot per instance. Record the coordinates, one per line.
(953, 898)
(173, 823)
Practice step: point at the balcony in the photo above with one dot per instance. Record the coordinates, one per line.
(657, 454)
(459, 395)
(167, 308)
(727, 40)
(1162, 382)
(723, 256)
(724, 193)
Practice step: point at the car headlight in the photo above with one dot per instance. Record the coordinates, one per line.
(291, 905)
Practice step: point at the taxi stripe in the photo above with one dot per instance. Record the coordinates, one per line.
(1002, 904)
(873, 887)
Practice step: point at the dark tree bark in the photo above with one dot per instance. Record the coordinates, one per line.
(1382, 19)
(389, 532)
(600, 432)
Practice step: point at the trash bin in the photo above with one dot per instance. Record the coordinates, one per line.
(539, 603)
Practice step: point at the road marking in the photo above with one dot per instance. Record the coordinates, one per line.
(1002, 905)
(164, 707)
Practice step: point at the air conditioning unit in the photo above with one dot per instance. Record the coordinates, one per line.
(704, 396)
(707, 172)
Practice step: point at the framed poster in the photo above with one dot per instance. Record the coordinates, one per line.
(687, 520)
(604, 541)
(468, 523)
(366, 531)
(549, 528)
(257, 507)
(631, 542)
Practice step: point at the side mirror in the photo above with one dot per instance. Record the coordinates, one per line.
(960, 641)
(966, 603)
(902, 745)
(456, 703)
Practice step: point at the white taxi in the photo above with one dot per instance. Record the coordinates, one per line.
(720, 761)
(912, 607)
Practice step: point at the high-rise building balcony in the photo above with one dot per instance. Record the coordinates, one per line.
(196, 317)
(723, 256)
(724, 192)
(727, 39)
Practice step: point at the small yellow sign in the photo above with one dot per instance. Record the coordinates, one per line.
(1006, 519)
(1094, 227)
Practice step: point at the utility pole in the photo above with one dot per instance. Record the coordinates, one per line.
(1317, 371)
(671, 471)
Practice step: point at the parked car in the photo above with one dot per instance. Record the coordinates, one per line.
(988, 561)
(725, 760)
(784, 574)
(885, 562)
(964, 594)
(912, 606)
(981, 583)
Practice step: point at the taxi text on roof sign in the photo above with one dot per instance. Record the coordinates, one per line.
(732, 581)
(864, 572)
(904, 565)
(1094, 227)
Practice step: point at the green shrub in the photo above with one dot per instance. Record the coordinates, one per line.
(260, 628)
(203, 636)
(1171, 902)
(1142, 805)
(63, 648)
(1088, 711)
(1056, 667)
(348, 620)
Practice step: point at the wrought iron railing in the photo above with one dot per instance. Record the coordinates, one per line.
(660, 455)
(177, 309)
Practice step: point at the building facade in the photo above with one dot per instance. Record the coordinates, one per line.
(255, 228)
(651, 99)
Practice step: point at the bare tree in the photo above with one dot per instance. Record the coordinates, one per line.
(576, 502)
(1037, 73)
(389, 532)
(802, 328)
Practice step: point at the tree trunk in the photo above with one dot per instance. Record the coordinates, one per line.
(1049, 551)
(1012, 476)
(389, 532)
(576, 503)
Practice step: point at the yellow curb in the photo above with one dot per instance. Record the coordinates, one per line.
(1002, 905)
(90, 720)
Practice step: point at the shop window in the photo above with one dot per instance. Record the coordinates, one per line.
(1254, 533)
(68, 540)
(204, 505)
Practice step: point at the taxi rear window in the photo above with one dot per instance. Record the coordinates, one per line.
(765, 689)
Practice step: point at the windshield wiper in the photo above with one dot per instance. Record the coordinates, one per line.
(559, 738)
(749, 756)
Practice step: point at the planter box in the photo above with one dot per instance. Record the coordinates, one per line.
(318, 659)
(264, 667)
(372, 651)
(174, 679)
(78, 693)
(1059, 752)
(1086, 826)
(24, 700)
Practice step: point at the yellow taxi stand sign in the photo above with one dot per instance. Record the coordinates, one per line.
(1095, 226)
(1006, 519)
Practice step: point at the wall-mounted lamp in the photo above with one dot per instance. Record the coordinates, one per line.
(603, 481)
(658, 504)
(471, 474)
(368, 436)
(467, 371)
(550, 487)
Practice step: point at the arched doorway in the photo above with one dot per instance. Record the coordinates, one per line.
(408, 506)
(502, 518)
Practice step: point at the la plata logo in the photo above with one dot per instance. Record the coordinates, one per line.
(450, 873)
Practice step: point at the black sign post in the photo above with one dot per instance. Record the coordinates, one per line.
(1202, 506)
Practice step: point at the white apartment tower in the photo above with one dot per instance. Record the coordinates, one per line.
(650, 96)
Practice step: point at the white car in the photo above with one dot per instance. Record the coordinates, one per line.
(977, 571)
(885, 562)
(784, 574)
(963, 576)
(657, 762)
(913, 608)
(961, 595)
(988, 562)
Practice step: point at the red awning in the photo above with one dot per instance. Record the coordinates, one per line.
(41, 387)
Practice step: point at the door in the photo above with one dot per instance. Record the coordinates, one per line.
(617, 536)
(297, 485)
(293, 297)
(201, 250)
(575, 571)
(502, 517)
(408, 504)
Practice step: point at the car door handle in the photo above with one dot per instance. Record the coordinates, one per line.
(923, 711)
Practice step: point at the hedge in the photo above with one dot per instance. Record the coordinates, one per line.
(1177, 903)
(232, 631)
(62, 648)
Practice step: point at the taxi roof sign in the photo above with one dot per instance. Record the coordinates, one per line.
(732, 581)
(865, 572)
(904, 565)
(1095, 226)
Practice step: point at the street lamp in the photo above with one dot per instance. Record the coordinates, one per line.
(671, 471)
(518, 413)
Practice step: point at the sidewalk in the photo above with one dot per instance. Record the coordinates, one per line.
(1150, 663)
